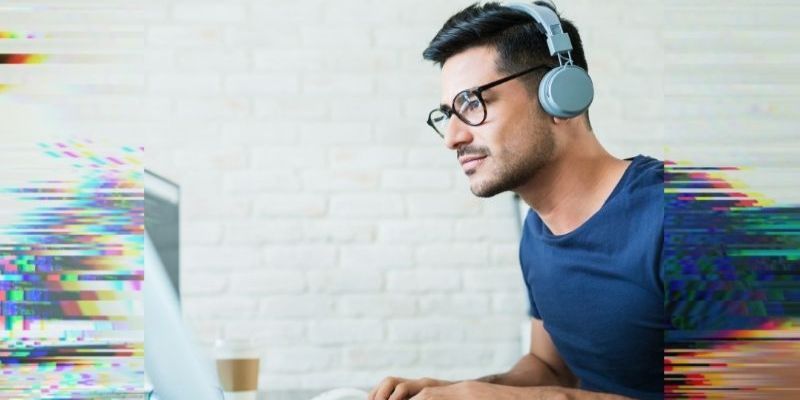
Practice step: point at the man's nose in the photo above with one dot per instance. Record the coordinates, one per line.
(457, 134)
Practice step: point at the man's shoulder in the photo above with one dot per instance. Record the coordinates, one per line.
(647, 170)
(645, 179)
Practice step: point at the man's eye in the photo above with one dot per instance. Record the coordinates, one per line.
(470, 106)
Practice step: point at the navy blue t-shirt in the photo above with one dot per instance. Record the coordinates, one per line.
(599, 290)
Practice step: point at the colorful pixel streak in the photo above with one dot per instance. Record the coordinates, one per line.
(732, 269)
(18, 58)
(71, 274)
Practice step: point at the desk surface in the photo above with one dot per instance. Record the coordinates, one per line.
(289, 394)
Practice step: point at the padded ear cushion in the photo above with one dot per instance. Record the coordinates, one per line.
(566, 91)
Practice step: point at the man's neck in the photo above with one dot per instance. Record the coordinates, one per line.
(573, 187)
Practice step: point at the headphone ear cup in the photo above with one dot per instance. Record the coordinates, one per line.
(566, 91)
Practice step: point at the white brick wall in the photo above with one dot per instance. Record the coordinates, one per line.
(320, 215)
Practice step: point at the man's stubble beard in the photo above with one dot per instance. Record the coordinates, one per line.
(518, 167)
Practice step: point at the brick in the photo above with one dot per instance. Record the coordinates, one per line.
(420, 281)
(282, 381)
(340, 181)
(366, 205)
(403, 133)
(297, 205)
(345, 331)
(366, 157)
(203, 331)
(298, 108)
(415, 231)
(375, 305)
(456, 354)
(287, 157)
(160, 136)
(358, 12)
(505, 255)
(404, 37)
(416, 179)
(323, 381)
(443, 205)
(272, 36)
(342, 231)
(461, 305)
(403, 83)
(287, 13)
(261, 181)
(180, 36)
(502, 205)
(300, 358)
(213, 109)
(203, 207)
(267, 334)
(305, 256)
(295, 306)
(433, 156)
(384, 256)
(494, 328)
(328, 133)
(260, 133)
(322, 36)
(453, 255)
(273, 281)
(258, 84)
(220, 60)
(338, 84)
(484, 230)
(217, 158)
(211, 12)
(257, 232)
(184, 83)
(424, 330)
(344, 60)
(510, 303)
(350, 280)
(495, 279)
(202, 284)
(220, 258)
(380, 356)
(201, 233)
(219, 308)
(278, 59)
(367, 108)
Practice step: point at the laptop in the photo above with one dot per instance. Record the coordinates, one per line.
(172, 363)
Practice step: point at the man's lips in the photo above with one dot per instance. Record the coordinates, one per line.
(470, 162)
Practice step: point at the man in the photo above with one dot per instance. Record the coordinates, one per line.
(591, 245)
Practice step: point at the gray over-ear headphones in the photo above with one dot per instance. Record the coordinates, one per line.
(565, 91)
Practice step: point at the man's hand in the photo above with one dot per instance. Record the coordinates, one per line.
(392, 388)
(473, 390)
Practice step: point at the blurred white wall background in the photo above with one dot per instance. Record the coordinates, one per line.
(324, 219)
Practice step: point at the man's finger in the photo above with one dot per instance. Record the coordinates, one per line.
(400, 392)
(385, 389)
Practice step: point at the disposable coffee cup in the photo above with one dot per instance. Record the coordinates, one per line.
(237, 368)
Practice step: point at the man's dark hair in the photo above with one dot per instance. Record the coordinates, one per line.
(512, 33)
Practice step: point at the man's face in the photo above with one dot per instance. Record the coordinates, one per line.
(513, 143)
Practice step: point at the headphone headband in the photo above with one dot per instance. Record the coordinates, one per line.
(548, 23)
(567, 90)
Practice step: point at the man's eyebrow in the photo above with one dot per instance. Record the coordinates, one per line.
(444, 107)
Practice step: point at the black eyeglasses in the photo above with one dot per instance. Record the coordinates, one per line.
(468, 105)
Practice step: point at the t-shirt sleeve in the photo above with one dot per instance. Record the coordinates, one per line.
(533, 311)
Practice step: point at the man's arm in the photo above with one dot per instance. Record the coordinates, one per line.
(542, 366)
(474, 390)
